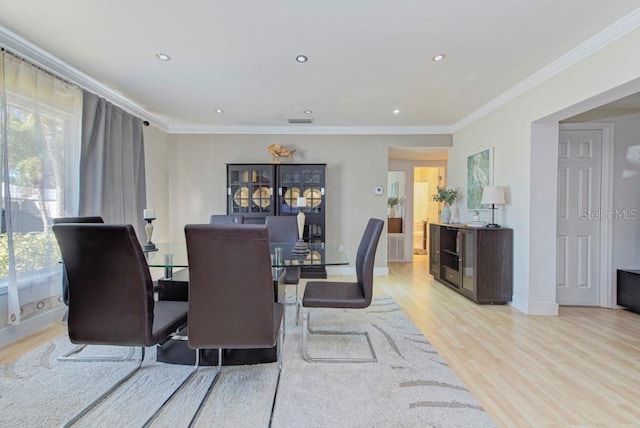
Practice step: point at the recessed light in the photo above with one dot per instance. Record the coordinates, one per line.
(439, 57)
(396, 111)
(308, 112)
(163, 57)
(302, 59)
(219, 111)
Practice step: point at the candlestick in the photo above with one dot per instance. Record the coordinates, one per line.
(149, 215)
(301, 249)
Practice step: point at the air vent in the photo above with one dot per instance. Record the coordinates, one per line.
(300, 121)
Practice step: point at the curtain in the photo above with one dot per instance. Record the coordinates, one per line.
(112, 172)
(40, 147)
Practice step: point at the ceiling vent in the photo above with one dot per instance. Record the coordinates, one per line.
(300, 121)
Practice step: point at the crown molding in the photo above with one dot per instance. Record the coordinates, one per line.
(310, 130)
(51, 64)
(610, 34)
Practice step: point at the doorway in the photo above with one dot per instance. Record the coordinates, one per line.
(425, 211)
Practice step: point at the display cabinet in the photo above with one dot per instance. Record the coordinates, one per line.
(476, 262)
(250, 191)
(261, 190)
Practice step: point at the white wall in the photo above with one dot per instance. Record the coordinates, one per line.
(524, 135)
(196, 181)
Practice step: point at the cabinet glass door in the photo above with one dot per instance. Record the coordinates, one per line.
(250, 190)
(434, 250)
(468, 261)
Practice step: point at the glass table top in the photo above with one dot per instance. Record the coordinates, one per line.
(174, 255)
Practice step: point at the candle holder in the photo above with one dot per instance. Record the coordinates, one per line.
(300, 249)
(149, 246)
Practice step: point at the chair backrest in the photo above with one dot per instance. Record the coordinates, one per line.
(87, 219)
(110, 287)
(231, 296)
(282, 228)
(366, 255)
(60, 220)
(226, 219)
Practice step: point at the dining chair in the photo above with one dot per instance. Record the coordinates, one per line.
(111, 293)
(345, 295)
(60, 220)
(284, 229)
(226, 219)
(231, 298)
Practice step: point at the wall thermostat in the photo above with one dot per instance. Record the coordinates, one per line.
(378, 190)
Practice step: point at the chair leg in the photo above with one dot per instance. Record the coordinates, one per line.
(208, 393)
(95, 402)
(173, 394)
(280, 352)
(306, 330)
(297, 306)
(69, 356)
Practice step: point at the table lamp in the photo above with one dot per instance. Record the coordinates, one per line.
(301, 249)
(492, 195)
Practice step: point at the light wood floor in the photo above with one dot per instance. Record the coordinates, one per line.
(581, 368)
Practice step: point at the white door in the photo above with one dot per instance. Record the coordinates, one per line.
(579, 215)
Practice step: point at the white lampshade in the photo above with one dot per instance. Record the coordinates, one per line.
(301, 202)
(493, 195)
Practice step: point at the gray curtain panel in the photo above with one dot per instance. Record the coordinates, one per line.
(112, 173)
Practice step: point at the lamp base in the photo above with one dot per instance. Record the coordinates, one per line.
(300, 250)
(493, 226)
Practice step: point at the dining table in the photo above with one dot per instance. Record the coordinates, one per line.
(173, 258)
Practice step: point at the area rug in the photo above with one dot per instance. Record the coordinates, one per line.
(409, 386)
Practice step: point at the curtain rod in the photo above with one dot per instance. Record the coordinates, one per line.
(44, 70)
(50, 73)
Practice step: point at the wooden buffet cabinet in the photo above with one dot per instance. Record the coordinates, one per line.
(477, 262)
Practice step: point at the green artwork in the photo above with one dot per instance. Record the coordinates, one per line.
(478, 177)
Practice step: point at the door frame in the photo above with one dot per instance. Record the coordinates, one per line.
(606, 291)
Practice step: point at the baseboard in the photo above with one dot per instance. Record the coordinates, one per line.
(535, 308)
(33, 325)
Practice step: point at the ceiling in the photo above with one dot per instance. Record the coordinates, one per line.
(366, 57)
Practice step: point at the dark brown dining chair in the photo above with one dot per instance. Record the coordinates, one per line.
(345, 295)
(111, 292)
(226, 219)
(232, 302)
(60, 220)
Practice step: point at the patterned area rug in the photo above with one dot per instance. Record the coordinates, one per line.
(409, 386)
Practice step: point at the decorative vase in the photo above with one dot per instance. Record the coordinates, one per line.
(445, 215)
(392, 212)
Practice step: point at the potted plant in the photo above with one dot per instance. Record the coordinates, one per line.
(392, 202)
(446, 196)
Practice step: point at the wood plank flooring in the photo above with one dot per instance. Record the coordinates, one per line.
(580, 369)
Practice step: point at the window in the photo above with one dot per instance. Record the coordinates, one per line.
(40, 142)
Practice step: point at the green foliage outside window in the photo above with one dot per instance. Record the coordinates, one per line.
(33, 251)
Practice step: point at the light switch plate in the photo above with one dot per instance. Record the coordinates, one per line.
(378, 190)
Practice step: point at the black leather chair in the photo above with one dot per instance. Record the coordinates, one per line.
(353, 295)
(226, 219)
(65, 282)
(231, 297)
(111, 292)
